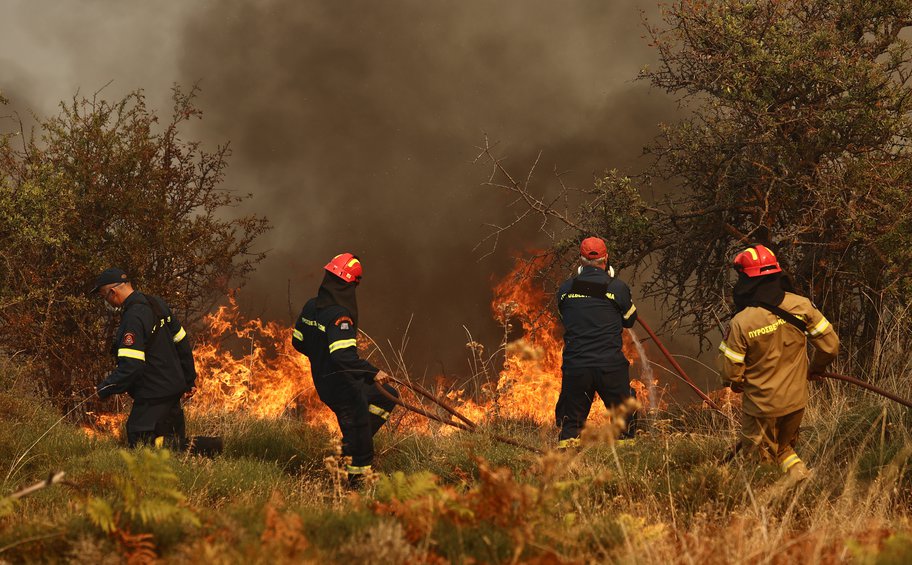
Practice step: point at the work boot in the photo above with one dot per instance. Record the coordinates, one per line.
(355, 481)
(789, 480)
(799, 472)
(573, 443)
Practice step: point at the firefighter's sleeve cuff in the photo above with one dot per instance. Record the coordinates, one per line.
(821, 326)
(630, 312)
(104, 390)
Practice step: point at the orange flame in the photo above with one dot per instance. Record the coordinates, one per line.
(248, 365)
(105, 424)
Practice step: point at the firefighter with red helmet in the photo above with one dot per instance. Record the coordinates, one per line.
(594, 307)
(326, 332)
(764, 355)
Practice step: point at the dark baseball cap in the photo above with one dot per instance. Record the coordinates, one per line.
(109, 276)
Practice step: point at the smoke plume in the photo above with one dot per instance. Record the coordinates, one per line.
(354, 125)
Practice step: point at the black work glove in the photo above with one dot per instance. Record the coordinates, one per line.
(104, 391)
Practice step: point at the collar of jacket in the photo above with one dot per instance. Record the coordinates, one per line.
(134, 297)
(590, 273)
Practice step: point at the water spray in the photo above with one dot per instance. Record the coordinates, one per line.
(647, 377)
(677, 366)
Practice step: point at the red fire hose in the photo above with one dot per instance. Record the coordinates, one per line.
(868, 386)
(468, 425)
(677, 366)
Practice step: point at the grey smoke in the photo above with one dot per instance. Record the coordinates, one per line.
(354, 124)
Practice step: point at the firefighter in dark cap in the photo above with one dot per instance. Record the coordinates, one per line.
(154, 362)
(327, 333)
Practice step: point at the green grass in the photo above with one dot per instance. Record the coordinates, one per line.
(665, 499)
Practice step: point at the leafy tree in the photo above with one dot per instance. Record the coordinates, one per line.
(795, 133)
(102, 184)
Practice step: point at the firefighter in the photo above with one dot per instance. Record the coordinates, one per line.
(764, 355)
(327, 332)
(594, 307)
(154, 363)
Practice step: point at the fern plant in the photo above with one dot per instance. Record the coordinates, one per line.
(145, 495)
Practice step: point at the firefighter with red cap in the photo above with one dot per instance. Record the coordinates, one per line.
(594, 307)
(327, 333)
(764, 355)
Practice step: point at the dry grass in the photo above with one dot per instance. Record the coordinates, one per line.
(464, 498)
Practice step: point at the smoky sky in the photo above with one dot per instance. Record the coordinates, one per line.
(354, 125)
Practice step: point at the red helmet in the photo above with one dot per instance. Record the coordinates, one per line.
(345, 266)
(757, 261)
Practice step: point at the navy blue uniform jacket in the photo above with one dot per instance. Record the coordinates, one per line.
(329, 338)
(594, 308)
(150, 368)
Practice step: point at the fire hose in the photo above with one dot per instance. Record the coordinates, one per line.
(868, 386)
(677, 366)
(845, 378)
(468, 425)
(463, 423)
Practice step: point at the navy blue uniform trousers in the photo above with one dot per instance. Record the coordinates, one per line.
(578, 390)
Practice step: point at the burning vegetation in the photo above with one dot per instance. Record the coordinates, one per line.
(248, 365)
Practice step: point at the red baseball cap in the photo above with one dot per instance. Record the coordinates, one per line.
(593, 248)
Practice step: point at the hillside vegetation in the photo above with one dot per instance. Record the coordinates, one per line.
(276, 496)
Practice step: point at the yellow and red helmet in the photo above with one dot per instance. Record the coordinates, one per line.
(345, 266)
(757, 261)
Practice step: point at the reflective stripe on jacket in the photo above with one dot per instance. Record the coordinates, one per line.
(767, 356)
(593, 324)
(329, 338)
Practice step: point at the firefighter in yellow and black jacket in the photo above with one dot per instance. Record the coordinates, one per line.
(154, 363)
(326, 332)
(764, 355)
